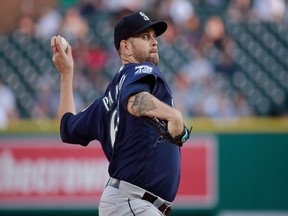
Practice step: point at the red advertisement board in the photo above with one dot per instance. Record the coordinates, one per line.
(43, 172)
(199, 175)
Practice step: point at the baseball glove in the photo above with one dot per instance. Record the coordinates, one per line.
(162, 127)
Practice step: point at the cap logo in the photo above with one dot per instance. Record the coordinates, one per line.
(145, 17)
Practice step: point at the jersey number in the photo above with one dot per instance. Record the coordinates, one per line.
(114, 127)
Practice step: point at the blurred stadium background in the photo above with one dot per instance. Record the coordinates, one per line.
(226, 61)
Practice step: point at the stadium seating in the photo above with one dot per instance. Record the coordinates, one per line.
(261, 54)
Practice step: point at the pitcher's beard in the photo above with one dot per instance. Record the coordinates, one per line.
(154, 60)
(153, 57)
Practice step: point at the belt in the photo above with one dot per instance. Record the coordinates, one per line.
(137, 192)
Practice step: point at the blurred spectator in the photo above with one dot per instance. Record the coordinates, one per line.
(218, 41)
(226, 64)
(216, 105)
(214, 33)
(8, 108)
(240, 10)
(26, 26)
(189, 83)
(132, 5)
(42, 107)
(242, 106)
(48, 21)
(171, 33)
(74, 27)
(46, 102)
(198, 81)
(88, 7)
(91, 61)
(180, 11)
(193, 32)
(215, 3)
(183, 97)
(197, 69)
(269, 10)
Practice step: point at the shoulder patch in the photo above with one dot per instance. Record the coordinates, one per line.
(143, 69)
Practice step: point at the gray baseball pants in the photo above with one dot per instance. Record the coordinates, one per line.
(126, 201)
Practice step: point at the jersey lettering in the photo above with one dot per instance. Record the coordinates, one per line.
(108, 100)
(105, 102)
(119, 86)
(143, 69)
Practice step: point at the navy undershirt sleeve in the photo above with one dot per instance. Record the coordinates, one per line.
(63, 127)
(84, 126)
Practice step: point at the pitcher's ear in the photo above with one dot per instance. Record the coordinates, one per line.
(125, 47)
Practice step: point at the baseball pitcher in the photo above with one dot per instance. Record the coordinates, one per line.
(136, 122)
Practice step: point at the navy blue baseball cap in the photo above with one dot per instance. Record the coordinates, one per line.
(135, 23)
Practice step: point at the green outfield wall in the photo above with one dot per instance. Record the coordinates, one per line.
(250, 169)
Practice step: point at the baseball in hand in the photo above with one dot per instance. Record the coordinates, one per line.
(64, 44)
